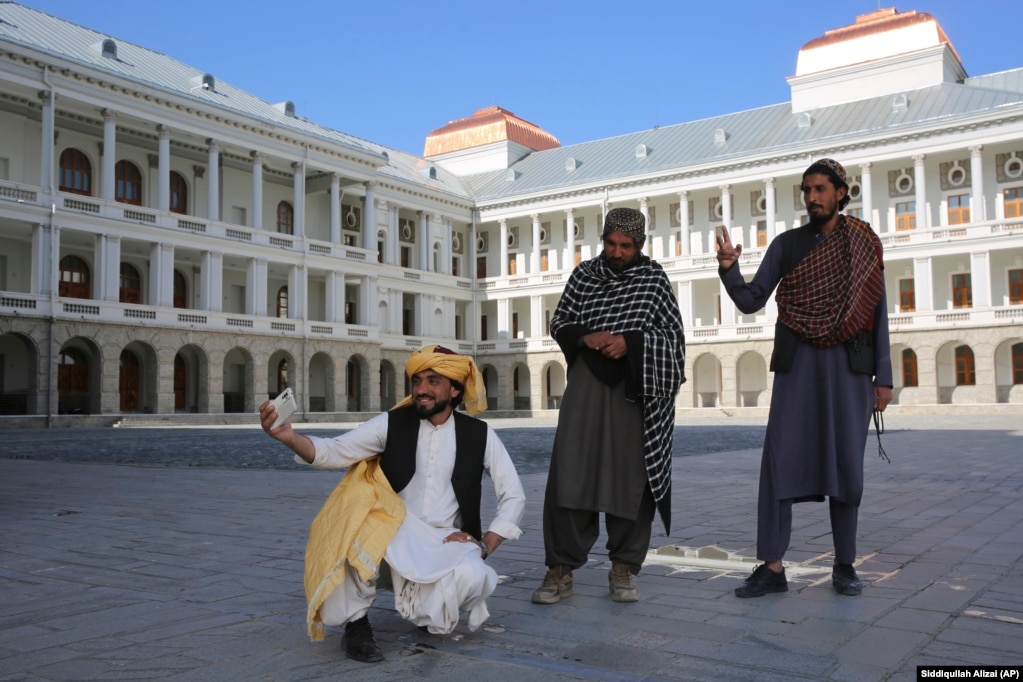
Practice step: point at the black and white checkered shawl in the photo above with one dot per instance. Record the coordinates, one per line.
(638, 299)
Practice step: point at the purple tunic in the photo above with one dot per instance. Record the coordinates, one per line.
(820, 409)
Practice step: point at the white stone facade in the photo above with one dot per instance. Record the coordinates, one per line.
(263, 255)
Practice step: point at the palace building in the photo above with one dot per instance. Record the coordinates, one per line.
(172, 247)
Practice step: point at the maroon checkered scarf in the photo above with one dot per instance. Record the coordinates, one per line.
(831, 295)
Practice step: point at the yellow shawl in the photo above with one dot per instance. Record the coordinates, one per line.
(355, 525)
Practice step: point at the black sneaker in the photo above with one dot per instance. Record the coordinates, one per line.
(762, 581)
(845, 580)
(359, 643)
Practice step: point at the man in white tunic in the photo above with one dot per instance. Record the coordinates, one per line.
(429, 534)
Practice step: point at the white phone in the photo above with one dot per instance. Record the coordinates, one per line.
(286, 405)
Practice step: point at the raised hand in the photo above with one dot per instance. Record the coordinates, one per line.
(727, 253)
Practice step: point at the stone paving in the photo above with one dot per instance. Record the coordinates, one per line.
(177, 554)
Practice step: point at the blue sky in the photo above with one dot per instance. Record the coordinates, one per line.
(391, 72)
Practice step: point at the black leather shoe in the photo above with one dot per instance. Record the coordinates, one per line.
(762, 581)
(845, 580)
(359, 643)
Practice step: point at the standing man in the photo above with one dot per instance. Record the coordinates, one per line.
(410, 500)
(832, 370)
(619, 326)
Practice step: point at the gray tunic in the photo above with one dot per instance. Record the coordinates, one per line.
(597, 463)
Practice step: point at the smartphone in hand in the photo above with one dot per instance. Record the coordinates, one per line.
(286, 405)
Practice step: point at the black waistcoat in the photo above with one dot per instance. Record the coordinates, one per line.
(398, 460)
(795, 245)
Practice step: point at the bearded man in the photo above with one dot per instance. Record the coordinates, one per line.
(832, 368)
(410, 505)
(619, 326)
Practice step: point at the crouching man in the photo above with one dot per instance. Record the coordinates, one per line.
(409, 503)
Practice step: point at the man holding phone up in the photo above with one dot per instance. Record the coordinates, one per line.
(410, 505)
(832, 370)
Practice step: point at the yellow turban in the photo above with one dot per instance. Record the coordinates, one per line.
(456, 367)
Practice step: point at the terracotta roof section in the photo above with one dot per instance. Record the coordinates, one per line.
(879, 21)
(487, 126)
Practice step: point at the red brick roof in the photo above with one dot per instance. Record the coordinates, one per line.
(487, 126)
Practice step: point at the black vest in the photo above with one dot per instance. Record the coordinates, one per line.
(398, 460)
(795, 245)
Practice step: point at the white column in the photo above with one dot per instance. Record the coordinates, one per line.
(980, 278)
(335, 208)
(298, 201)
(683, 218)
(335, 296)
(44, 242)
(369, 218)
(46, 154)
(470, 269)
(922, 285)
(771, 209)
(685, 303)
(213, 181)
(503, 318)
(112, 271)
(393, 241)
(296, 292)
(728, 311)
(504, 247)
(867, 196)
(424, 241)
(535, 317)
(161, 275)
(211, 285)
(534, 250)
(100, 281)
(395, 311)
(425, 310)
(369, 302)
(920, 184)
(978, 209)
(255, 285)
(261, 283)
(726, 206)
(569, 261)
(109, 154)
(445, 247)
(163, 169)
(257, 194)
(644, 208)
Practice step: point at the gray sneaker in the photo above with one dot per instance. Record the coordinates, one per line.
(619, 582)
(557, 585)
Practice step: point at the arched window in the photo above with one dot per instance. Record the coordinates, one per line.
(966, 371)
(131, 284)
(180, 290)
(72, 382)
(282, 302)
(75, 172)
(909, 376)
(74, 278)
(285, 218)
(1017, 363)
(282, 375)
(129, 381)
(129, 183)
(178, 193)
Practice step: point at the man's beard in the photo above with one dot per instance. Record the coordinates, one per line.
(427, 412)
(822, 218)
(619, 264)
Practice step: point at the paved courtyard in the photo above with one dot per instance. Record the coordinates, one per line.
(176, 553)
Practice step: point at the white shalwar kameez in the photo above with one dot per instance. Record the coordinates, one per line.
(433, 580)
